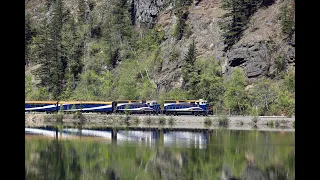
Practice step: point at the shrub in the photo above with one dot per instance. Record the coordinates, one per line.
(171, 121)
(207, 121)
(270, 123)
(136, 120)
(59, 116)
(277, 123)
(254, 119)
(148, 120)
(162, 120)
(223, 120)
(240, 123)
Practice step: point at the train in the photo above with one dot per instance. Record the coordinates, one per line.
(148, 107)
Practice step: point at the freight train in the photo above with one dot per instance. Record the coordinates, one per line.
(169, 107)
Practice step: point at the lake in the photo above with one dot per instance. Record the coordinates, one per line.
(151, 154)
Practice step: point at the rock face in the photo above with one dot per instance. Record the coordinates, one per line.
(145, 12)
(203, 19)
(253, 57)
(261, 44)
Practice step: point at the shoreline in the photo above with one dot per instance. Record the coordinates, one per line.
(92, 120)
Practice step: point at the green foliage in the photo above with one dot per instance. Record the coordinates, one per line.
(287, 15)
(289, 80)
(280, 63)
(182, 3)
(262, 96)
(255, 119)
(207, 121)
(285, 103)
(148, 120)
(270, 123)
(175, 93)
(223, 120)
(210, 84)
(237, 18)
(180, 25)
(174, 54)
(136, 120)
(236, 97)
(93, 86)
(122, 18)
(171, 121)
(189, 74)
(162, 120)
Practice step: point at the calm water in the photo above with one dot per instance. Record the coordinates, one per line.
(221, 153)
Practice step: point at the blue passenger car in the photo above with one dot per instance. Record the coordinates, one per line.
(87, 106)
(137, 107)
(41, 106)
(179, 107)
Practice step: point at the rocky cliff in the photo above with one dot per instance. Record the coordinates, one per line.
(261, 45)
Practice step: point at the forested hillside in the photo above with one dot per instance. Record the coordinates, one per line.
(237, 54)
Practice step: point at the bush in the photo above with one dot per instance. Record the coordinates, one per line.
(223, 120)
(136, 120)
(280, 63)
(277, 123)
(254, 119)
(207, 121)
(270, 123)
(162, 120)
(240, 123)
(171, 121)
(59, 116)
(148, 120)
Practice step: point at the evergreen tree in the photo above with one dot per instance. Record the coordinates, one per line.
(122, 19)
(82, 7)
(237, 17)
(190, 58)
(28, 34)
(189, 73)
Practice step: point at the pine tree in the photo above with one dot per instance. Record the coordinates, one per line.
(27, 38)
(237, 18)
(190, 58)
(189, 74)
(82, 6)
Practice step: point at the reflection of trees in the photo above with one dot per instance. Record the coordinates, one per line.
(245, 154)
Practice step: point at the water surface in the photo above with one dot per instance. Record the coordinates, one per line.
(91, 154)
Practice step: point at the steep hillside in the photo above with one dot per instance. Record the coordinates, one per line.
(143, 49)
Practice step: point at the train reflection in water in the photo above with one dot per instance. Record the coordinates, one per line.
(148, 137)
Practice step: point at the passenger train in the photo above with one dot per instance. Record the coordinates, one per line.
(170, 107)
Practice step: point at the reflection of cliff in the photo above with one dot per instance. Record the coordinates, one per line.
(166, 165)
(252, 172)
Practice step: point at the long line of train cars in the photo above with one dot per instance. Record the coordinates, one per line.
(170, 107)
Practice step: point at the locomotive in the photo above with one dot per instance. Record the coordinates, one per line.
(169, 107)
